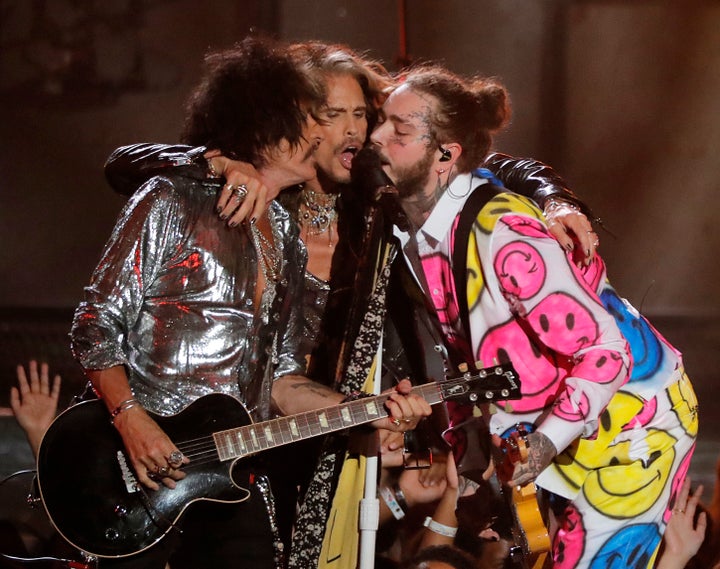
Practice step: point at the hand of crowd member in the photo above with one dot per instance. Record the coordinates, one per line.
(244, 196)
(392, 447)
(34, 401)
(683, 534)
(572, 229)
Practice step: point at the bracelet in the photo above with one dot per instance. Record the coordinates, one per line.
(438, 528)
(211, 171)
(124, 406)
(553, 204)
(389, 499)
(400, 497)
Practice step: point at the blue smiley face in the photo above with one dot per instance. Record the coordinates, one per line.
(645, 346)
(630, 548)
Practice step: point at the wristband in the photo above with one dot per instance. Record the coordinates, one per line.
(124, 406)
(389, 499)
(400, 497)
(438, 528)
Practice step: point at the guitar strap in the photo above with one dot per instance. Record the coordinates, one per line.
(474, 204)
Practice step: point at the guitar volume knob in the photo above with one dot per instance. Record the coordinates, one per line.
(111, 534)
(121, 511)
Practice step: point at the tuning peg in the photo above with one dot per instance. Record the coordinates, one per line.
(492, 408)
(479, 364)
(463, 367)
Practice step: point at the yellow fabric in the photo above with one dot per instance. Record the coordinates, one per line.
(341, 540)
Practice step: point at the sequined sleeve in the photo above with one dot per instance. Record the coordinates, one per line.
(131, 259)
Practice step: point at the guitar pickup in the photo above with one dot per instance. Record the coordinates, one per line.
(131, 483)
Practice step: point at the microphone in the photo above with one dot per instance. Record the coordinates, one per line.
(370, 183)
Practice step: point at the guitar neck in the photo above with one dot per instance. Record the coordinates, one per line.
(498, 382)
(243, 441)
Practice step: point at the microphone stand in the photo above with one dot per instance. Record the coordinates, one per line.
(370, 505)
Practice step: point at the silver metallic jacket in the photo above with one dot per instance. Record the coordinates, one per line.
(172, 300)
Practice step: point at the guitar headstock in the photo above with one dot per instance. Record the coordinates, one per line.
(484, 385)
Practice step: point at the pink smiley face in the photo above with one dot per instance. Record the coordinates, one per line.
(600, 366)
(537, 368)
(563, 324)
(569, 541)
(574, 408)
(591, 276)
(520, 269)
(527, 226)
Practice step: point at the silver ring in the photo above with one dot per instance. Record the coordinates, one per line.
(407, 420)
(240, 191)
(175, 459)
(395, 421)
(162, 470)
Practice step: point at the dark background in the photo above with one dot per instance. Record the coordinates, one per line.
(620, 96)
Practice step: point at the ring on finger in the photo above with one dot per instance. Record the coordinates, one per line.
(407, 420)
(175, 459)
(162, 470)
(240, 191)
(395, 421)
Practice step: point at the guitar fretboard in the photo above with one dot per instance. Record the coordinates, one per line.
(497, 382)
(243, 441)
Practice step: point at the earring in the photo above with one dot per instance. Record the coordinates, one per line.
(441, 171)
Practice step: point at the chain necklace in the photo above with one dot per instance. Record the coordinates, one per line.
(317, 211)
(268, 255)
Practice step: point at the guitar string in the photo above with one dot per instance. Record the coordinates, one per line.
(205, 449)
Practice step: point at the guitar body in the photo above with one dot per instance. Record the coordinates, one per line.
(531, 536)
(88, 486)
(530, 531)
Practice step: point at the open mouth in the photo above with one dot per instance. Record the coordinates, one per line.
(347, 155)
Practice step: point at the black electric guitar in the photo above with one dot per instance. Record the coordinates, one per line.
(92, 497)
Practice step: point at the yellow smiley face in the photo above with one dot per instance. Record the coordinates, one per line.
(486, 220)
(685, 405)
(627, 488)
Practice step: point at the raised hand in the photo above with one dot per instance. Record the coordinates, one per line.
(34, 401)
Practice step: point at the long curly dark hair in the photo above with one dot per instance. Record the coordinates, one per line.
(251, 97)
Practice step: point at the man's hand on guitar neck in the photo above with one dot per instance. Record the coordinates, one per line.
(540, 452)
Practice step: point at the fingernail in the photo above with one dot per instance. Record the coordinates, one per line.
(223, 216)
(219, 209)
(569, 246)
(233, 224)
(252, 221)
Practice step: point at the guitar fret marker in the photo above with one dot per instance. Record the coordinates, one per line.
(345, 412)
(294, 428)
(268, 434)
(371, 409)
(253, 436)
(322, 418)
